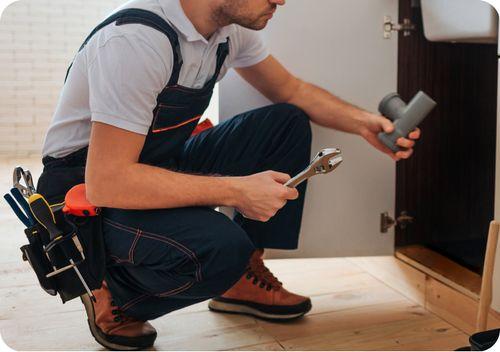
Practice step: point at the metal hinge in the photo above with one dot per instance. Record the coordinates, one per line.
(406, 27)
(386, 222)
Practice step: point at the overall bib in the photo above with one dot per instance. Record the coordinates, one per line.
(162, 260)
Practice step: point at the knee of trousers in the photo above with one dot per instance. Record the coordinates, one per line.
(229, 254)
(296, 120)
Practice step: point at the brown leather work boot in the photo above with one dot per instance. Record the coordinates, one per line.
(260, 294)
(111, 328)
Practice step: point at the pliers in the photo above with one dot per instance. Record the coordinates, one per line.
(28, 189)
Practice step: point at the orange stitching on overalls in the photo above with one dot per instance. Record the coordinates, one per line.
(177, 126)
(174, 243)
(134, 302)
(160, 106)
(176, 290)
(140, 298)
(167, 240)
(158, 238)
(132, 247)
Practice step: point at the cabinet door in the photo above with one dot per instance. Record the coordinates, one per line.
(448, 186)
(496, 272)
(338, 45)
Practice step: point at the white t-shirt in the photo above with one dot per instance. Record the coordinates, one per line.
(117, 77)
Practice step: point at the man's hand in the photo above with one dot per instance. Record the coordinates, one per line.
(374, 124)
(260, 196)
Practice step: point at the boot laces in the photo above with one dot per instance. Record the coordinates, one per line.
(120, 317)
(260, 273)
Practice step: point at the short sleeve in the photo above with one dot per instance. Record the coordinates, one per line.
(125, 78)
(249, 47)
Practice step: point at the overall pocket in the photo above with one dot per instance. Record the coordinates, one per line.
(170, 117)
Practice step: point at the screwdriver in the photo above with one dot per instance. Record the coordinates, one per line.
(40, 209)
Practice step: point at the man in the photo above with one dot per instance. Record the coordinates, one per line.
(133, 96)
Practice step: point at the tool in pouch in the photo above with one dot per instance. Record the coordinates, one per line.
(21, 207)
(66, 248)
(28, 189)
(324, 162)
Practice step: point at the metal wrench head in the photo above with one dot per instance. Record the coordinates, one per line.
(326, 161)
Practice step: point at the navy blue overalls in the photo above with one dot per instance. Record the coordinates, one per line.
(162, 260)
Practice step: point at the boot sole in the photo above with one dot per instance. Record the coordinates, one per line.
(107, 340)
(216, 305)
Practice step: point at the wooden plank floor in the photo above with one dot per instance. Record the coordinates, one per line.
(353, 307)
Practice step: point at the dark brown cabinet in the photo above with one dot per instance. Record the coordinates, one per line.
(448, 186)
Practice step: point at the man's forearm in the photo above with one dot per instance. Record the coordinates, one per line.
(327, 110)
(277, 84)
(141, 186)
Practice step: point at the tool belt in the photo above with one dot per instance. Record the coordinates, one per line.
(65, 243)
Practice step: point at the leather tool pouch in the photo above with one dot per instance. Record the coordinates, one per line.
(81, 245)
(82, 240)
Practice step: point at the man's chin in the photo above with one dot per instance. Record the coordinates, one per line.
(257, 26)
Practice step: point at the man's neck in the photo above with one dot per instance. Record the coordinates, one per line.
(200, 14)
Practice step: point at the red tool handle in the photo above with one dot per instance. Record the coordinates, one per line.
(76, 203)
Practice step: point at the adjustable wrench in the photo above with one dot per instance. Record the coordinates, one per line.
(324, 162)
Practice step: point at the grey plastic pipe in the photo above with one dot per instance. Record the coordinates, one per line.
(405, 117)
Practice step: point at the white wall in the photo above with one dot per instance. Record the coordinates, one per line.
(338, 45)
(38, 39)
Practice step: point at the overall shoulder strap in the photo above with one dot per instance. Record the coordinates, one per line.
(147, 18)
(222, 53)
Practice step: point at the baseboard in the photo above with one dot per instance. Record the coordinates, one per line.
(450, 301)
(442, 269)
